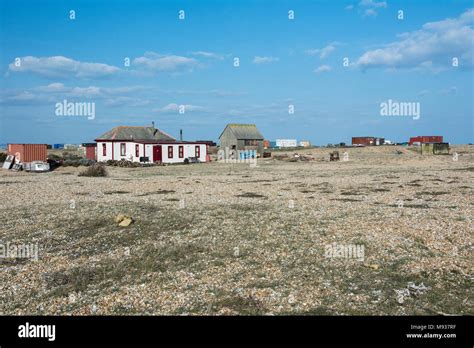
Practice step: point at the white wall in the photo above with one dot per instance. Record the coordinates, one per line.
(189, 151)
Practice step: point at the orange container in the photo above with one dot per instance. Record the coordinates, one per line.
(28, 152)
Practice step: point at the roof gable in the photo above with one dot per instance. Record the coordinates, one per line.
(243, 131)
(135, 133)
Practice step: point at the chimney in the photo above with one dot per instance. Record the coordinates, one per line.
(153, 124)
(180, 135)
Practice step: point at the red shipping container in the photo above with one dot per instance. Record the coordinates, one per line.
(426, 139)
(366, 141)
(28, 152)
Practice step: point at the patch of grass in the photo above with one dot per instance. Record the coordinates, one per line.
(95, 170)
(111, 272)
(416, 206)
(251, 195)
(432, 193)
(240, 304)
(351, 193)
(116, 192)
(346, 200)
(88, 227)
(159, 192)
(263, 284)
(320, 310)
(469, 169)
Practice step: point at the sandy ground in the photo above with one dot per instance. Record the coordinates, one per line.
(217, 238)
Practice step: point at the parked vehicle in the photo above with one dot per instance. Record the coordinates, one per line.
(36, 166)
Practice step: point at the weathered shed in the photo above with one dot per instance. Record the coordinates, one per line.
(242, 137)
(434, 148)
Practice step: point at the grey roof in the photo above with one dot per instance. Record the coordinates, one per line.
(136, 133)
(244, 131)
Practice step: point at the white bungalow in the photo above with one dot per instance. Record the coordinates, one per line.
(146, 144)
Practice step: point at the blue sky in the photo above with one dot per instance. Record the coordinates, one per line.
(190, 62)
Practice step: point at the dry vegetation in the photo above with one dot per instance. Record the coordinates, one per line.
(221, 238)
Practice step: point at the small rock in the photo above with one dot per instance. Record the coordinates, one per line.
(123, 220)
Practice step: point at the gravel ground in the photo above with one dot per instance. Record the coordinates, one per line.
(230, 239)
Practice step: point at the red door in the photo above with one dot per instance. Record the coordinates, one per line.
(157, 153)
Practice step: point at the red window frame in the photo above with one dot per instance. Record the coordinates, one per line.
(197, 151)
(104, 149)
(123, 149)
(137, 150)
(170, 151)
(181, 151)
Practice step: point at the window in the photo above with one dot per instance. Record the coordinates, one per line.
(122, 149)
(181, 151)
(137, 150)
(251, 142)
(104, 149)
(197, 151)
(170, 151)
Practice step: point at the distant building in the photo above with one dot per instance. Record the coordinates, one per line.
(242, 137)
(421, 139)
(207, 142)
(305, 143)
(367, 141)
(146, 144)
(283, 143)
(71, 146)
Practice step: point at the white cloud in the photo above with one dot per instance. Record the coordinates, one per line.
(322, 69)
(370, 7)
(433, 47)
(322, 52)
(423, 92)
(86, 92)
(210, 55)
(126, 101)
(58, 91)
(264, 60)
(52, 87)
(449, 91)
(173, 108)
(349, 7)
(370, 12)
(62, 67)
(155, 62)
(373, 4)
